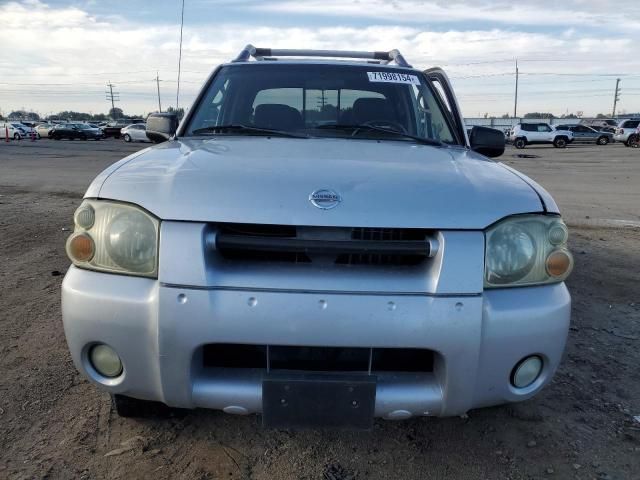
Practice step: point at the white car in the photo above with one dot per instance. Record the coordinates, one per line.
(136, 132)
(626, 128)
(43, 129)
(524, 134)
(15, 130)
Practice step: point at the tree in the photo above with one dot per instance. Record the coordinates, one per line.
(602, 115)
(24, 115)
(116, 113)
(506, 115)
(569, 115)
(179, 112)
(539, 115)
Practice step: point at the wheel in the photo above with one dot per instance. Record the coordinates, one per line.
(634, 140)
(55, 137)
(71, 139)
(16, 136)
(127, 137)
(560, 142)
(39, 137)
(84, 137)
(520, 143)
(603, 140)
(132, 407)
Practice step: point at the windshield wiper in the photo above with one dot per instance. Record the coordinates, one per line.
(358, 128)
(238, 127)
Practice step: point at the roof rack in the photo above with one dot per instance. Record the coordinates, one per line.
(269, 54)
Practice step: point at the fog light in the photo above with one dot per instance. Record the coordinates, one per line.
(105, 360)
(526, 372)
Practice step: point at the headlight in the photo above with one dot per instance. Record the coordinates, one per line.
(527, 250)
(114, 237)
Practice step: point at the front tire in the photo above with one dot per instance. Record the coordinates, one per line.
(603, 140)
(560, 142)
(634, 140)
(16, 136)
(520, 143)
(127, 137)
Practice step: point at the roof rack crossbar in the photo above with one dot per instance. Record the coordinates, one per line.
(261, 53)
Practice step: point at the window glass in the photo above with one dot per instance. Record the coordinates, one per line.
(322, 101)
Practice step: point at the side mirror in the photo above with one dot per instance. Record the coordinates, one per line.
(487, 141)
(161, 126)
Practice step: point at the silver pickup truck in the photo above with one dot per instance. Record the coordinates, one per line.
(320, 241)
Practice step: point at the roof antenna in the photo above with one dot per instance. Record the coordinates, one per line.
(180, 58)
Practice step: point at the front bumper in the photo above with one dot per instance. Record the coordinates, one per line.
(157, 330)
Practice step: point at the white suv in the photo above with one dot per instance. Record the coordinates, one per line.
(625, 129)
(524, 134)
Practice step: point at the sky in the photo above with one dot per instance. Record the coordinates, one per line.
(60, 54)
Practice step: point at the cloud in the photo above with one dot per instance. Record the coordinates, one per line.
(69, 55)
(541, 13)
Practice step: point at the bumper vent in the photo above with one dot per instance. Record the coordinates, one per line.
(345, 246)
(317, 359)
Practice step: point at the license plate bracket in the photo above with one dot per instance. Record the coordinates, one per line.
(318, 401)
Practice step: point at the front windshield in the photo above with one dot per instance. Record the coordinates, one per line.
(322, 100)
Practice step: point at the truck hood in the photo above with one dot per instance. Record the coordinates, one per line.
(269, 181)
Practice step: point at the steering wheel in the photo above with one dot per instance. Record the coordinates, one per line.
(387, 123)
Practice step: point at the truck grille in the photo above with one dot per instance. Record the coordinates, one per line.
(344, 246)
(317, 359)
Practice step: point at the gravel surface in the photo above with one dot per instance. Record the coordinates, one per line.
(54, 424)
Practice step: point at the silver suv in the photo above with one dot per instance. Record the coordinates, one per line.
(319, 242)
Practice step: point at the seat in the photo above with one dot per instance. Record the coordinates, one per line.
(277, 117)
(373, 110)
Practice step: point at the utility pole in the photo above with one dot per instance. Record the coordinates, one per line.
(112, 96)
(158, 84)
(180, 57)
(515, 103)
(616, 97)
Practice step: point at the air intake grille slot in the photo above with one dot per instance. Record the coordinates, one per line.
(317, 359)
(343, 246)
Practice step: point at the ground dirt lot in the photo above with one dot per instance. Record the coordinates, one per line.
(54, 424)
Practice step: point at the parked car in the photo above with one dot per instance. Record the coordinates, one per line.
(72, 131)
(634, 139)
(626, 128)
(135, 133)
(601, 124)
(524, 134)
(14, 130)
(584, 134)
(44, 129)
(112, 129)
(322, 266)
